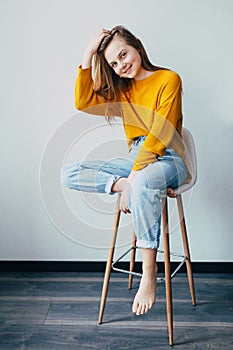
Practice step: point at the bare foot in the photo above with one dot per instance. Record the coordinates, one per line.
(146, 295)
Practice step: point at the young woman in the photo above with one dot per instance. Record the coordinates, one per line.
(123, 82)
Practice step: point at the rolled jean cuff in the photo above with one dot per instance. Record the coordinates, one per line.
(145, 244)
(110, 183)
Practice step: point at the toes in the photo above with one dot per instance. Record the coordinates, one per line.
(150, 306)
(135, 307)
(142, 309)
(139, 310)
(146, 309)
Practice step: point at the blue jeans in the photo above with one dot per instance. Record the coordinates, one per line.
(148, 186)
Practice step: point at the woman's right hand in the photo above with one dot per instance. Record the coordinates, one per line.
(92, 47)
(96, 40)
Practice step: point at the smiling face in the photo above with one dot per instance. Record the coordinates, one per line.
(124, 59)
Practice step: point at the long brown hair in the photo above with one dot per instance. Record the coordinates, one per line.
(106, 82)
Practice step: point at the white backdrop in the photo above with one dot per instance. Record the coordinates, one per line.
(42, 43)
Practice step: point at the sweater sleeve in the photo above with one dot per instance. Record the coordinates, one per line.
(87, 100)
(166, 119)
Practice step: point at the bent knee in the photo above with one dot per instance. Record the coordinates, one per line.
(144, 181)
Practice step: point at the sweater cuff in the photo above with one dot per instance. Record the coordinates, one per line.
(144, 158)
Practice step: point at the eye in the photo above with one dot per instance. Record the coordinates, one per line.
(123, 54)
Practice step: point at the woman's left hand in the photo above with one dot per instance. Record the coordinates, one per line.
(127, 191)
(125, 195)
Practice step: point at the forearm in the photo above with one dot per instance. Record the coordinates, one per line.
(132, 175)
(87, 59)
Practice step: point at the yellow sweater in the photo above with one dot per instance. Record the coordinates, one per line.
(151, 108)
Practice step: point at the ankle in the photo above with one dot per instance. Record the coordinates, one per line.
(150, 270)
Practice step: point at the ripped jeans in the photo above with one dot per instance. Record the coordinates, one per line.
(145, 202)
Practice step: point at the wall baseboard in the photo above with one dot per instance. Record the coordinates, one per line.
(99, 266)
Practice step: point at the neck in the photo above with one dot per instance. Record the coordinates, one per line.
(144, 74)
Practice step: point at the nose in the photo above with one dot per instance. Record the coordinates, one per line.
(121, 66)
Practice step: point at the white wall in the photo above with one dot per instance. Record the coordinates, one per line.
(42, 43)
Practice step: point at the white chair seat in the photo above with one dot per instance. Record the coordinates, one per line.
(191, 161)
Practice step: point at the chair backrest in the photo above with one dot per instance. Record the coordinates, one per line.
(191, 161)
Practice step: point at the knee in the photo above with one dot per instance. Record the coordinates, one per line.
(139, 185)
(139, 191)
(143, 194)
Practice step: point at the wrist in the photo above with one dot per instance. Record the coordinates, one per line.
(87, 59)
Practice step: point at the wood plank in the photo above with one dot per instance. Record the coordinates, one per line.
(71, 312)
(60, 311)
(106, 338)
(97, 277)
(83, 287)
(14, 312)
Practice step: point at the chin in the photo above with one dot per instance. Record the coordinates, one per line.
(131, 75)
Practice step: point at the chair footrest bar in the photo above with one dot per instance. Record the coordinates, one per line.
(122, 270)
(127, 271)
(134, 273)
(123, 255)
(178, 267)
(139, 274)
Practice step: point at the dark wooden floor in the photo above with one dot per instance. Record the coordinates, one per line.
(60, 311)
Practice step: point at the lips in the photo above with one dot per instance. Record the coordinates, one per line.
(127, 70)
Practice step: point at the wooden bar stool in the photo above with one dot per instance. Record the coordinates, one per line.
(192, 164)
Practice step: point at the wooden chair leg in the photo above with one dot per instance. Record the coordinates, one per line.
(109, 261)
(132, 261)
(186, 248)
(167, 270)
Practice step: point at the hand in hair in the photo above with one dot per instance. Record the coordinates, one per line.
(92, 47)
